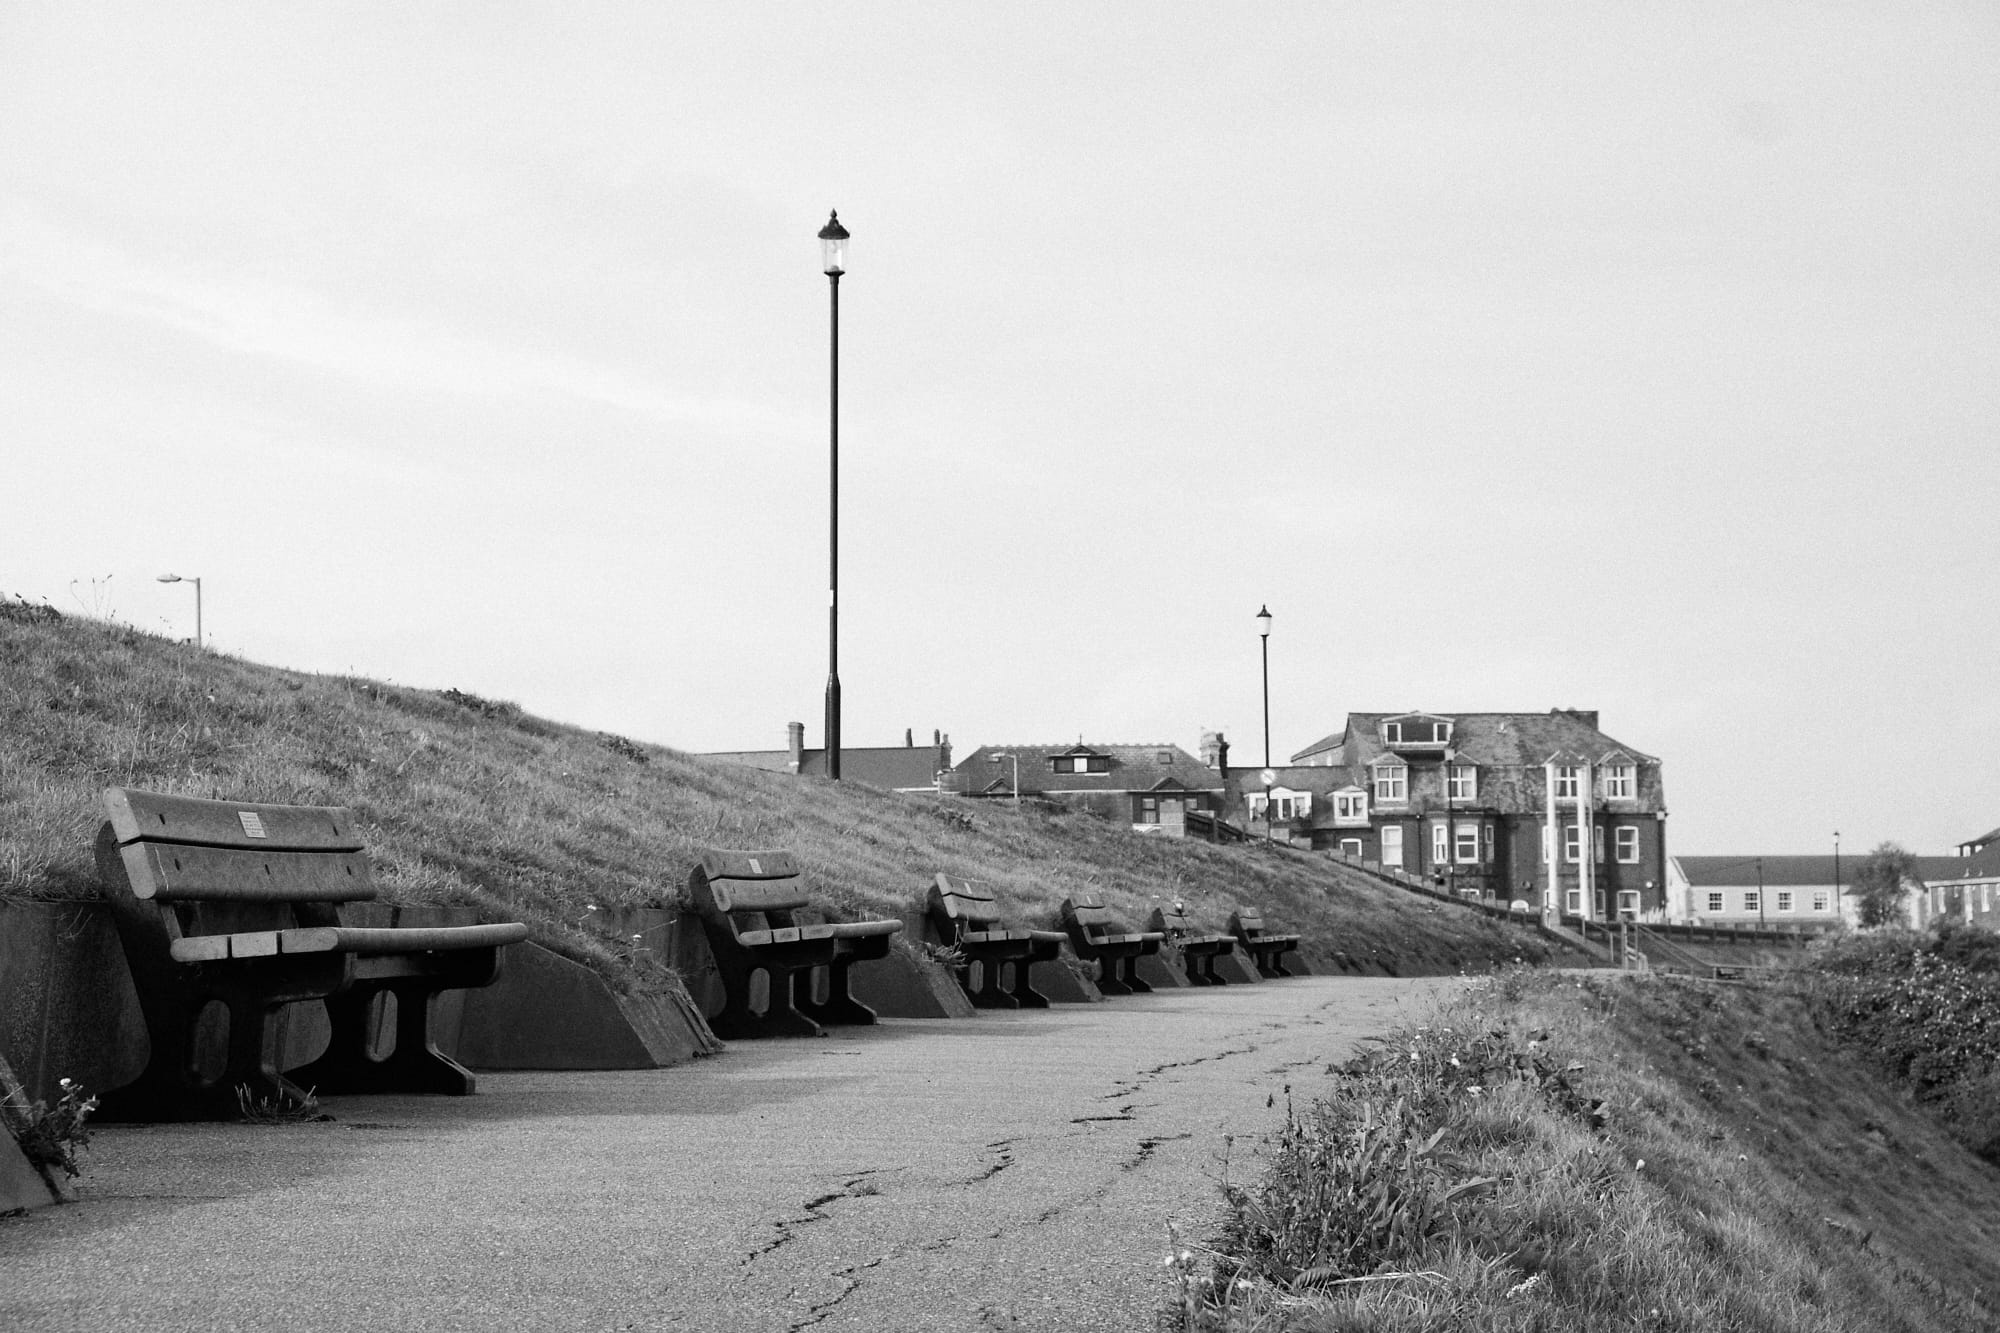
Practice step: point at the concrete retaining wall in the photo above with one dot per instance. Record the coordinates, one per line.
(68, 1009)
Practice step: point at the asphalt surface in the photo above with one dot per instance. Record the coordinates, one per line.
(1017, 1171)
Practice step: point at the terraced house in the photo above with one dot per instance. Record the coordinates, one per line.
(1539, 807)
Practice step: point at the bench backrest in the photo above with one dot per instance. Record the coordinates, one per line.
(1173, 920)
(961, 904)
(1247, 922)
(1091, 915)
(188, 866)
(747, 890)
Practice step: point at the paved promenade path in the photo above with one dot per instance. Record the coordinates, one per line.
(1014, 1171)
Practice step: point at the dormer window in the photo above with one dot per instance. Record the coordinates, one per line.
(1080, 763)
(1461, 782)
(1621, 782)
(1350, 806)
(1566, 780)
(1416, 731)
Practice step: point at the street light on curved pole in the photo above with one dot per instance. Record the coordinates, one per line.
(1017, 773)
(833, 259)
(175, 578)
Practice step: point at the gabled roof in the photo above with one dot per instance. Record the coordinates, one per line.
(1132, 768)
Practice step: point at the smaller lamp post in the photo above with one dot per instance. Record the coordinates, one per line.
(175, 578)
(1264, 631)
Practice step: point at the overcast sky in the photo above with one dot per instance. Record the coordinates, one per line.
(1636, 358)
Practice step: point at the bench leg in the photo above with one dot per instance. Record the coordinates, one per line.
(1201, 969)
(989, 994)
(779, 1019)
(251, 1072)
(1024, 994)
(839, 1008)
(415, 1064)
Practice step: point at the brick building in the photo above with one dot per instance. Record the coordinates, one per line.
(1504, 806)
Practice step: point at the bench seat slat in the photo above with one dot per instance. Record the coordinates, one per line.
(360, 940)
(859, 930)
(366, 940)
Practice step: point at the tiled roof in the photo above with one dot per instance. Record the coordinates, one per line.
(895, 767)
(1132, 768)
(1496, 740)
(1789, 871)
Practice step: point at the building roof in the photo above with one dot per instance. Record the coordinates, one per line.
(1703, 872)
(895, 767)
(1499, 740)
(1142, 768)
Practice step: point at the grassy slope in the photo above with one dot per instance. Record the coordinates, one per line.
(467, 802)
(1747, 1174)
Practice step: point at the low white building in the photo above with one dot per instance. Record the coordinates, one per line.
(1780, 891)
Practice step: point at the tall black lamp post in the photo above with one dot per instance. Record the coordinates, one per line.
(833, 258)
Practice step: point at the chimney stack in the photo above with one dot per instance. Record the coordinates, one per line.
(1215, 752)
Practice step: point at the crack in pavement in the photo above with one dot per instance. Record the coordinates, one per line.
(855, 1186)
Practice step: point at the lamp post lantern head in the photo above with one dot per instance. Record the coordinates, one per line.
(1264, 621)
(833, 246)
(170, 578)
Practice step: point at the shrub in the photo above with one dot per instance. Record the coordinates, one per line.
(52, 1136)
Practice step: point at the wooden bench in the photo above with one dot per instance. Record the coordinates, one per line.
(1198, 949)
(1264, 948)
(749, 903)
(1099, 937)
(239, 904)
(966, 919)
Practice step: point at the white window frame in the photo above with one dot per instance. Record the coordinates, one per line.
(1440, 843)
(1628, 844)
(1350, 847)
(1750, 901)
(1567, 776)
(1572, 844)
(1350, 805)
(1392, 833)
(1822, 900)
(1388, 779)
(1628, 902)
(1784, 900)
(1463, 832)
(1461, 782)
(1621, 782)
(1573, 901)
(1715, 906)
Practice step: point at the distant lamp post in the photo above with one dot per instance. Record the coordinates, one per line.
(1270, 776)
(1017, 773)
(175, 578)
(833, 259)
(1264, 630)
(1836, 871)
